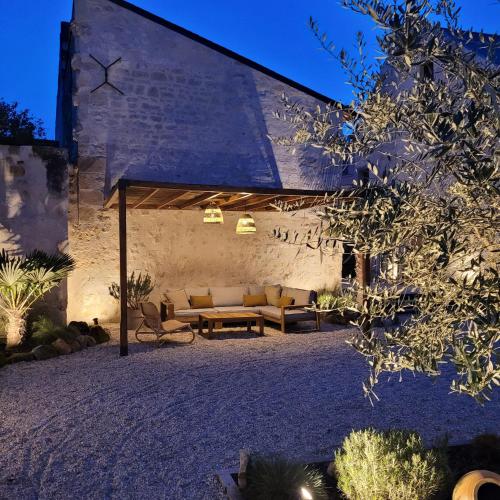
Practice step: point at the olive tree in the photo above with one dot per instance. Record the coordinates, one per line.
(424, 122)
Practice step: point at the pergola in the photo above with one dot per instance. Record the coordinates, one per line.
(139, 194)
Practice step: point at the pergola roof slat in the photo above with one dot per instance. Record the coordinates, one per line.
(171, 196)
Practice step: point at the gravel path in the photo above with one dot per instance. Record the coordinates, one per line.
(158, 423)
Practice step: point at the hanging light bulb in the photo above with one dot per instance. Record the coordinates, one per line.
(246, 225)
(213, 215)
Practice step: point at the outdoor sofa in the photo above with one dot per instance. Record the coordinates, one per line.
(180, 304)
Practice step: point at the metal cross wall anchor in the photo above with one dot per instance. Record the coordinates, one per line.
(106, 81)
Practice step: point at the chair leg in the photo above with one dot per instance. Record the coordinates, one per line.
(283, 326)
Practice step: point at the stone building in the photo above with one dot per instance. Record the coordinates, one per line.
(141, 98)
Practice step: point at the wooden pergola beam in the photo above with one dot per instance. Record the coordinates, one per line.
(235, 198)
(248, 204)
(167, 201)
(197, 200)
(145, 198)
(258, 205)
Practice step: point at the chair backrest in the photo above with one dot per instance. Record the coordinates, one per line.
(151, 315)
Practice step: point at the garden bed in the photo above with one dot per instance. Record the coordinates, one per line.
(482, 453)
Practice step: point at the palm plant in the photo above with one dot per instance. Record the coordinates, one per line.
(24, 280)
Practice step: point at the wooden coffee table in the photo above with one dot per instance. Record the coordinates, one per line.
(237, 317)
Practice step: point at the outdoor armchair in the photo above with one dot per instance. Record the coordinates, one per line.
(155, 327)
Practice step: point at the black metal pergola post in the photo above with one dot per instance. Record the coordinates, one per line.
(122, 228)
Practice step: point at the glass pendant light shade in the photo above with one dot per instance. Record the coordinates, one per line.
(213, 215)
(246, 225)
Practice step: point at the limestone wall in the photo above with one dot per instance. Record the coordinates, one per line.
(33, 207)
(188, 114)
(177, 249)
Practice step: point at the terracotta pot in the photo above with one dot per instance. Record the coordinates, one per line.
(134, 318)
(468, 485)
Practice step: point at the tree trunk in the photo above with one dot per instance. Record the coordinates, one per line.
(16, 328)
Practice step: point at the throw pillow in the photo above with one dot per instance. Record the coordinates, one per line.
(273, 293)
(178, 298)
(254, 300)
(285, 301)
(201, 301)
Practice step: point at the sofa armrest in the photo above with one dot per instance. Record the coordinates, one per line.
(297, 306)
(294, 306)
(167, 310)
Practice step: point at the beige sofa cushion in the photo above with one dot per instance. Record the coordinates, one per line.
(178, 298)
(197, 291)
(273, 293)
(300, 297)
(228, 295)
(256, 290)
(290, 314)
(192, 312)
(237, 309)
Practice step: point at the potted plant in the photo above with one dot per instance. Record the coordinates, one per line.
(138, 290)
(341, 308)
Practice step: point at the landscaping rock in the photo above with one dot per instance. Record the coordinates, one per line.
(88, 340)
(99, 334)
(80, 326)
(75, 345)
(17, 357)
(81, 340)
(61, 346)
(43, 352)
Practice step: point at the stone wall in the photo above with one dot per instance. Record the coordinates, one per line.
(177, 249)
(188, 114)
(33, 207)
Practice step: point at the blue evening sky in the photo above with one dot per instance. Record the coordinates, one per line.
(274, 33)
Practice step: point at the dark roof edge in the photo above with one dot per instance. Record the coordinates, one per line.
(223, 50)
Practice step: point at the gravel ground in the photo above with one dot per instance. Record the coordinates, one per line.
(159, 423)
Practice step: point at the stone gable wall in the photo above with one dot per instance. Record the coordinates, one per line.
(188, 115)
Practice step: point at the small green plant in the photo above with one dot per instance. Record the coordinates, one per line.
(331, 301)
(392, 465)
(138, 289)
(281, 479)
(45, 331)
(42, 331)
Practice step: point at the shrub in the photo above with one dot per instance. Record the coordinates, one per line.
(329, 301)
(391, 465)
(42, 331)
(281, 479)
(138, 289)
(45, 331)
